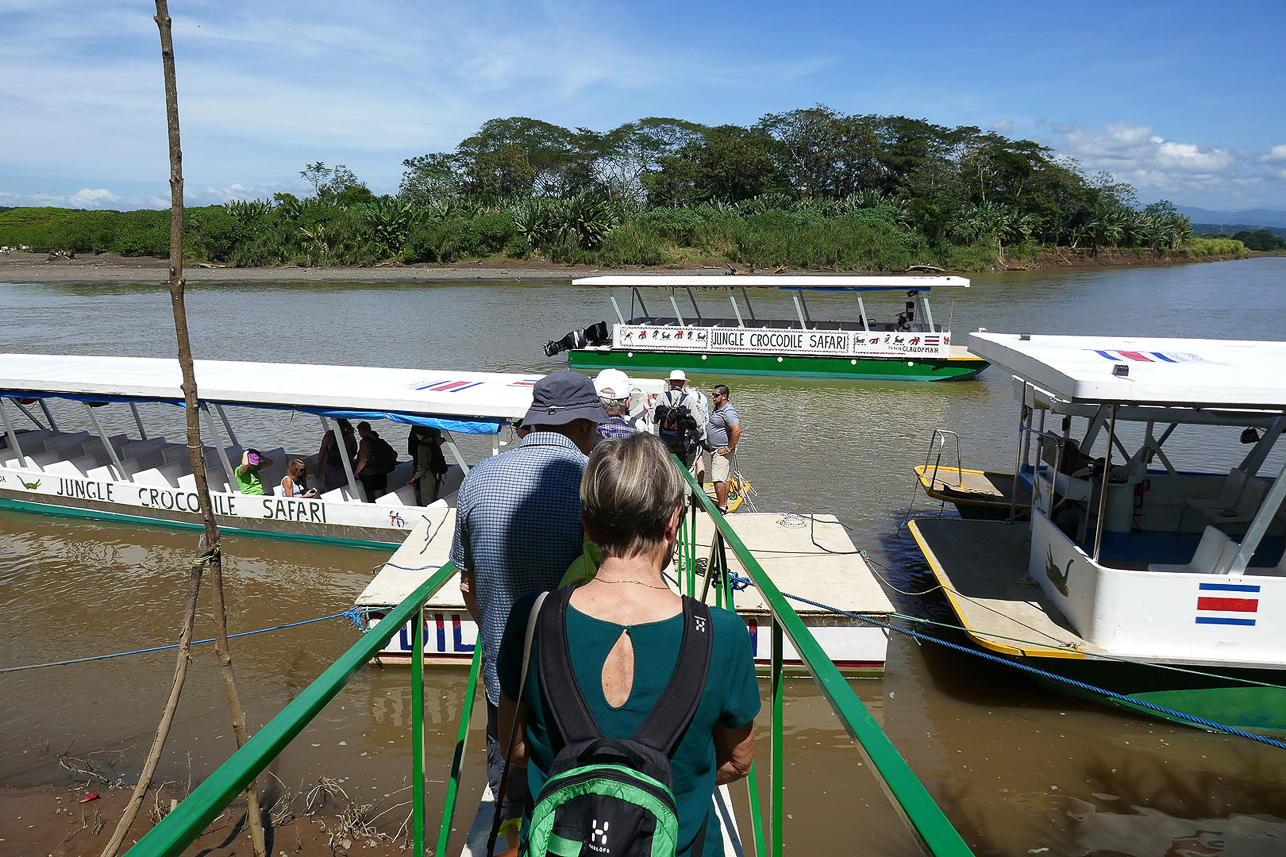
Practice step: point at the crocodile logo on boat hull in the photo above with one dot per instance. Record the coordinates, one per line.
(1056, 577)
(32, 485)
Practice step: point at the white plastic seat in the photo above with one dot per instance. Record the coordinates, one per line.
(340, 494)
(106, 473)
(61, 442)
(165, 476)
(1213, 555)
(403, 496)
(64, 467)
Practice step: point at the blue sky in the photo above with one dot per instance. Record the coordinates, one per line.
(1183, 100)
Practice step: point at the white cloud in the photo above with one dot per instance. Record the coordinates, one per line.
(1003, 126)
(1188, 173)
(92, 197)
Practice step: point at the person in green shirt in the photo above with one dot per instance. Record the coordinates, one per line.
(625, 628)
(249, 474)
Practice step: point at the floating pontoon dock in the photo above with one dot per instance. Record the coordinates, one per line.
(810, 557)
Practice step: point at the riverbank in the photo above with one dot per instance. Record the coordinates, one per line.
(54, 821)
(113, 268)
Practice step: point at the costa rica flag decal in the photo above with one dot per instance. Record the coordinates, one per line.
(1227, 603)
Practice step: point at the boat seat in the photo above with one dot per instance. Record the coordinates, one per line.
(94, 445)
(176, 453)
(64, 467)
(106, 473)
(60, 442)
(403, 496)
(342, 494)
(46, 458)
(1229, 494)
(398, 476)
(1213, 555)
(1243, 510)
(28, 437)
(143, 448)
(165, 476)
(451, 480)
(88, 462)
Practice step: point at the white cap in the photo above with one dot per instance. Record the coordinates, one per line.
(678, 375)
(612, 384)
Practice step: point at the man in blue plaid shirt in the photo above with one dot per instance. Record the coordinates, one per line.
(614, 390)
(518, 528)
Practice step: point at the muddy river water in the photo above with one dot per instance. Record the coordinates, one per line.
(1018, 769)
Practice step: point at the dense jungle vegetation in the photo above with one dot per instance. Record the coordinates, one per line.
(809, 188)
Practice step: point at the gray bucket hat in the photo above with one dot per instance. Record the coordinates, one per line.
(561, 397)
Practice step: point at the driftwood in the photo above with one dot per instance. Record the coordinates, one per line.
(209, 545)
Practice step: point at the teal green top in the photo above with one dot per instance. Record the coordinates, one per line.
(731, 698)
(250, 482)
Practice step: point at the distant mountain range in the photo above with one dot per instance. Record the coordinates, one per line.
(1250, 218)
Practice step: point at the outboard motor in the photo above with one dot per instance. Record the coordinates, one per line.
(595, 334)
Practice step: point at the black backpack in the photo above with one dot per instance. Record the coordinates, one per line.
(676, 425)
(381, 457)
(610, 796)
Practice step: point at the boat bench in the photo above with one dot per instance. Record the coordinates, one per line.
(1213, 555)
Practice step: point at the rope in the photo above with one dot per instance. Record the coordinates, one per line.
(1190, 718)
(351, 615)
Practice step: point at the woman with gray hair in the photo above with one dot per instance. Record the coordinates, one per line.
(619, 636)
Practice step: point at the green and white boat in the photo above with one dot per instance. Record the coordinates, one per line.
(1154, 571)
(906, 345)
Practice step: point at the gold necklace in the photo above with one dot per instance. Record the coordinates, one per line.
(639, 582)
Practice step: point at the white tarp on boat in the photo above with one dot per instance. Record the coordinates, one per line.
(461, 401)
(1177, 372)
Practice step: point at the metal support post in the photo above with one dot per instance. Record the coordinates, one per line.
(1103, 485)
(674, 303)
(232, 436)
(417, 731)
(219, 450)
(44, 406)
(111, 451)
(617, 307)
(776, 769)
(736, 310)
(138, 421)
(13, 435)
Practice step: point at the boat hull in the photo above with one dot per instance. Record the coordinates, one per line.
(981, 495)
(915, 368)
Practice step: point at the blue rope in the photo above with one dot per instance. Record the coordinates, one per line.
(348, 614)
(1190, 718)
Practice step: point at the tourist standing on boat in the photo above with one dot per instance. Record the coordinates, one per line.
(518, 527)
(373, 462)
(622, 633)
(328, 457)
(613, 388)
(723, 431)
(248, 474)
(295, 482)
(430, 464)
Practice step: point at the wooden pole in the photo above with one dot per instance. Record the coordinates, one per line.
(210, 543)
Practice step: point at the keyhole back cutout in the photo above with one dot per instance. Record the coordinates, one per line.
(618, 671)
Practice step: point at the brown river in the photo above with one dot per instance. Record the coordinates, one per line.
(1018, 769)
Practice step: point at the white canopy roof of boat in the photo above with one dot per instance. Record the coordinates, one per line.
(449, 398)
(818, 282)
(1206, 373)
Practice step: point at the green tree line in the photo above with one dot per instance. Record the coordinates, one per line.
(808, 188)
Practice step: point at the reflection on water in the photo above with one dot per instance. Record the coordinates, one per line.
(1017, 768)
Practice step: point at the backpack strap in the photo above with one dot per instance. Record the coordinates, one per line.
(564, 702)
(666, 723)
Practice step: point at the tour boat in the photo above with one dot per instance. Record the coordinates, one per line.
(1156, 571)
(907, 344)
(49, 467)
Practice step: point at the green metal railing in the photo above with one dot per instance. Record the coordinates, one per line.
(921, 815)
(919, 812)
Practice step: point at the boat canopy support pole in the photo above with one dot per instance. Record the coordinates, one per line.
(750, 308)
(926, 314)
(674, 303)
(1259, 452)
(695, 308)
(111, 450)
(232, 436)
(13, 435)
(44, 406)
(138, 421)
(455, 451)
(617, 307)
(642, 306)
(1024, 413)
(1104, 483)
(736, 310)
(218, 448)
(861, 314)
(1259, 526)
(799, 311)
(26, 413)
(343, 459)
